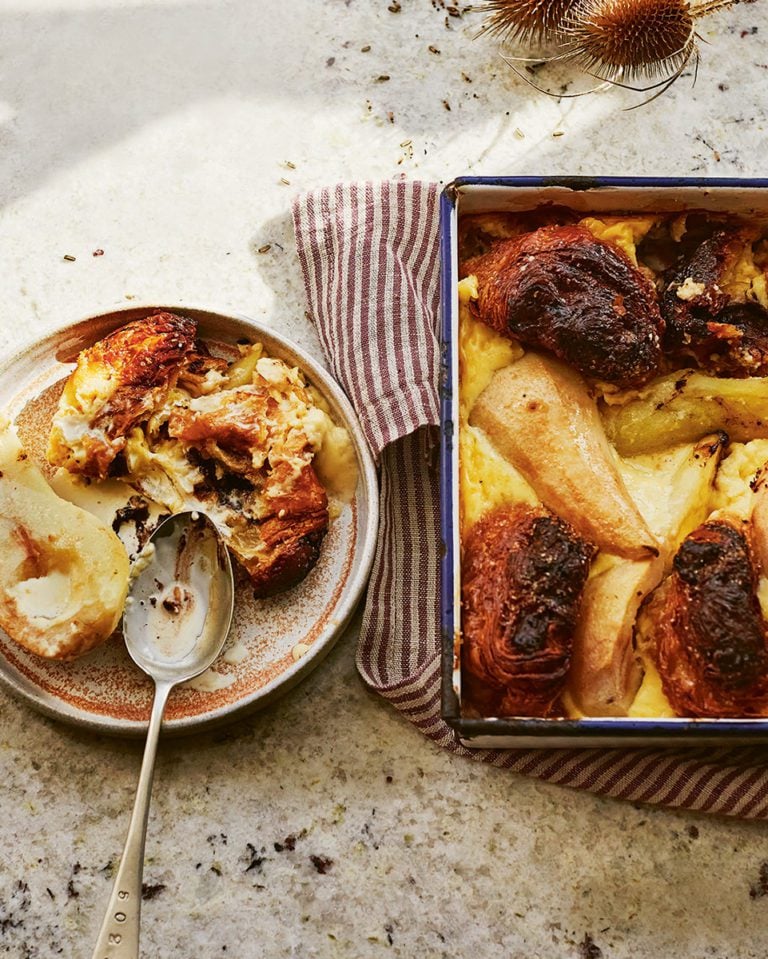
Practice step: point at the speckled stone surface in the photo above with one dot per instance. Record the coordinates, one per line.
(172, 136)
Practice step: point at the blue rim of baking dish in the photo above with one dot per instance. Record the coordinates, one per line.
(516, 732)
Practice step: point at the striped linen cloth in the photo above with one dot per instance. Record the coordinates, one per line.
(369, 256)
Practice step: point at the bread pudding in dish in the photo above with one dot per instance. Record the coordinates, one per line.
(613, 455)
(247, 440)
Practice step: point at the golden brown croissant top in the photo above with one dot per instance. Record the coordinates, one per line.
(117, 383)
(562, 289)
(523, 579)
(710, 638)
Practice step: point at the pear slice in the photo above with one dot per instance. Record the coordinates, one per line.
(605, 673)
(683, 406)
(686, 474)
(539, 415)
(63, 572)
(606, 669)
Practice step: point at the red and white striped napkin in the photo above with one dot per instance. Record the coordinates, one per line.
(369, 254)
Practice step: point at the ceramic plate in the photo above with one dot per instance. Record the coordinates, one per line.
(273, 642)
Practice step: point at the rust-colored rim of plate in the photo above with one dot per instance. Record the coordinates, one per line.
(365, 542)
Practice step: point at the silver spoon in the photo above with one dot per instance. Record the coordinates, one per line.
(176, 620)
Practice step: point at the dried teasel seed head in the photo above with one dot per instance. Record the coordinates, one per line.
(531, 21)
(631, 38)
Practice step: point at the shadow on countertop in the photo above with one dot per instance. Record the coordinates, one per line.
(75, 82)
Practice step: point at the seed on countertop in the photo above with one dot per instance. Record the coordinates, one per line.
(289, 842)
(433, 49)
(447, 105)
(588, 948)
(382, 78)
(284, 181)
(151, 891)
(69, 258)
(394, 7)
(255, 861)
(366, 48)
(266, 248)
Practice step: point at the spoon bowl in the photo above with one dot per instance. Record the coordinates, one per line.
(177, 616)
(180, 606)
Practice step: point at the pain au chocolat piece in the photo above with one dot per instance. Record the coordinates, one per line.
(711, 316)
(522, 583)
(561, 289)
(706, 627)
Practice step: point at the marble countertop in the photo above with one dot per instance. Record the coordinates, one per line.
(172, 134)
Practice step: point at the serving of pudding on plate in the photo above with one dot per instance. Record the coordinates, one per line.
(264, 442)
(613, 442)
(246, 439)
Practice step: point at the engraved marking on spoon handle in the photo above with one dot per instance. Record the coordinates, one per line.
(119, 935)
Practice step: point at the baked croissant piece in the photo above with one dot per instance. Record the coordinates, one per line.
(705, 627)
(708, 317)
(117, 384)
(561, 289)
(148, 405)
(277, 511)
(523, 578)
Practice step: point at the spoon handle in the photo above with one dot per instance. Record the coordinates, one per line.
(119, 935)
